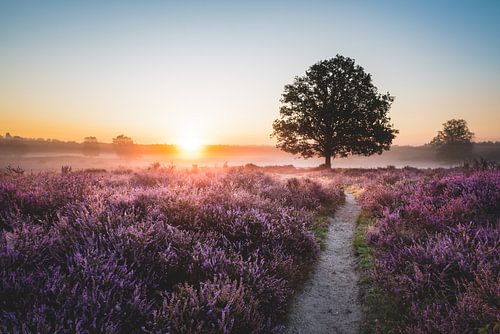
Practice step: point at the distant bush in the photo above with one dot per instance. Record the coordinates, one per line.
(154, 166)
(95, 170)
(121, 171)
(10, 170)
(480, 164)
(66, 169)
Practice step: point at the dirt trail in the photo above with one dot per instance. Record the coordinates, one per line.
(329, 302)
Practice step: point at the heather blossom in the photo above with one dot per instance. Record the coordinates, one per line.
(436, 243)
(154, 251)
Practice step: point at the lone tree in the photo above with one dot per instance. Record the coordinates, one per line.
(334, 111)
(454, 141)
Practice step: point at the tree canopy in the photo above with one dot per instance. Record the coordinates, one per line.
(122, 140)
(124, 146)
(90, 140)
(334, 110)
(454, 141)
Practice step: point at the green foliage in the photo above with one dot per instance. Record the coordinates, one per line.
(319, 226)
(334, 110)
(361, 249)
(381, 314)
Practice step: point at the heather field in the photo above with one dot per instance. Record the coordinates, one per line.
(226, 250)
(154, 251)
(431, 250)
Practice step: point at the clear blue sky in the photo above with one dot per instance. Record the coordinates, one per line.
(158, 71)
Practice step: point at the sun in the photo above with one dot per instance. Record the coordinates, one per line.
(190, 137)
(190, 144)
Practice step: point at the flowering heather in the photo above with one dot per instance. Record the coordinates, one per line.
(436, 245)
(154, 252)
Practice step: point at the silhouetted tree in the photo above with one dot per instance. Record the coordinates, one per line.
(90, 146)
(454, 142)
(124, 146)
(90, 140)
(123, 140)
(334, 111)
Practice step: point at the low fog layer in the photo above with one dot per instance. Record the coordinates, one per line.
(38, 155)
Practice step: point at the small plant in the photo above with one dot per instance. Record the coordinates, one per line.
(155, 166)
(480, 164)
(66, 170)
(14, 170)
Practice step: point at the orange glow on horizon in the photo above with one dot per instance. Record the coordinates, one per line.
(190, 142)
(190, 145)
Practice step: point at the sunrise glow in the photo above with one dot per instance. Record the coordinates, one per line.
(190, 144)
(77, 69)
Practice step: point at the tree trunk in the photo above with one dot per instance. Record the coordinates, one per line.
(328, 161)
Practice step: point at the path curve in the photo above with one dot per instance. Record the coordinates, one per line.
(329, 302)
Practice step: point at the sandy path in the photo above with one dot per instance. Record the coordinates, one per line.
(329, 302)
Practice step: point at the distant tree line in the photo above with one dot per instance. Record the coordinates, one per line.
(449, 144)
(90, 146)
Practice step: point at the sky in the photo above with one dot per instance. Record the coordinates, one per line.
(159, 71)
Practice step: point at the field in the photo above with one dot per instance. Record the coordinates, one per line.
(225, 250)
(432, 250)
(154, 251)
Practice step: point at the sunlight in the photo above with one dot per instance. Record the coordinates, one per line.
(190, 138)
(190, 144)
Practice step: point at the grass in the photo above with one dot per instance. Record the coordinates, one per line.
(320, 225)
(362, 250)
(380, 312)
